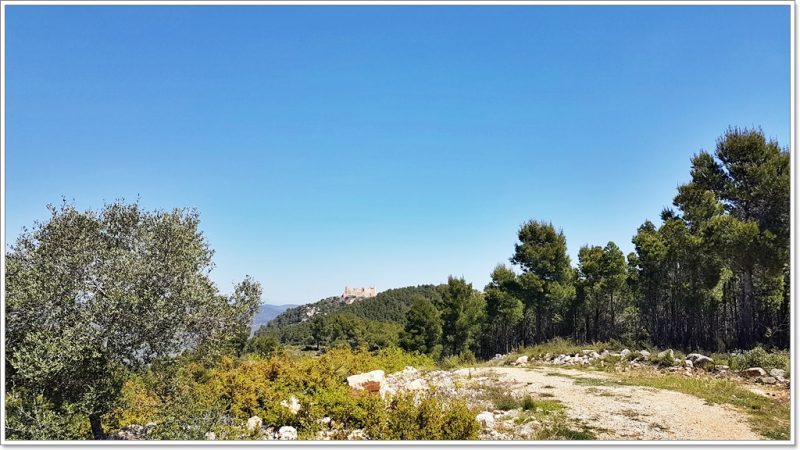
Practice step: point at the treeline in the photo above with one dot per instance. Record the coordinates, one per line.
(713, 275)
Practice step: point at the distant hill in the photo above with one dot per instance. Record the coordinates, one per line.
(390, 306)
(267, 313)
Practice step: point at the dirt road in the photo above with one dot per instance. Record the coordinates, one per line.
(627, 412)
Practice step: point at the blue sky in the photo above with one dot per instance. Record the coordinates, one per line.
(381, 146)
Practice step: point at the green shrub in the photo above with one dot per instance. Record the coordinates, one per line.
(185, 399)
(758, 357)
(528, 403)
(449, 362)
(31, 417)
(433, 418)
(263, 345)
(506, 402)
(463, 359)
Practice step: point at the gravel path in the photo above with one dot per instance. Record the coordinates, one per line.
(630, 412)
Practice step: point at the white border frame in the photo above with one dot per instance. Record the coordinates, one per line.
(168, 444)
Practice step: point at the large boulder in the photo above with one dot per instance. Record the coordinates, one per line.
(767, 380)
(624, 353)
(371, 381)
(777, 373)
(522, 360)
(287, 433)
(254, 423)
(486, 419)
(700, 361)
(754, 372)
(644, 354)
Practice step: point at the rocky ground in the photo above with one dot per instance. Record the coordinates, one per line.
(520, 399)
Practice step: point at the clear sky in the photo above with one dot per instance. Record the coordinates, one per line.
(381, 146)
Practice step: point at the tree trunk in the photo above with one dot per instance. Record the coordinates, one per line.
(747, 309)
(612, 330)
(97, 427)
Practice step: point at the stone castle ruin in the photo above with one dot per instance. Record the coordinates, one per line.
(352, 294)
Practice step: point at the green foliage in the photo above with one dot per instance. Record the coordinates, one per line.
(93, 295)
(602, 274)
(462, 313)
(32, 417)
(432, 418)
(423, 329)
(388, 307)
(758, 357)
(185, 399)
(715, 274)
(546, 279)
(353, 331)
(528, 403)
(263, 345)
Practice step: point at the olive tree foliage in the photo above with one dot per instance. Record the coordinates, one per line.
(92, 296)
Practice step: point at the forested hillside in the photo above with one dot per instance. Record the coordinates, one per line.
(372, 321)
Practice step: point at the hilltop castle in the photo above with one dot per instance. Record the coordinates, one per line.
(351, 294)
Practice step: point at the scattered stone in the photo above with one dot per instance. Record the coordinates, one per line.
(356, 435)
(254, 423)
(777, 373)
(624, 353)
(293, 405)
(486, 419)
(700, 361)
(287, 433)
(521, 360)
(644, 354)
(371, 381)
(721, 368)
(767, 380)
(415, 385)
(133, 432)
(689, 364)
(211, 436)
(754, 372)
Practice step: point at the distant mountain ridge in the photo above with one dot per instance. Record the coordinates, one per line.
(266, 313)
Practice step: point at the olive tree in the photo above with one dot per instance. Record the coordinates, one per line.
(92, 296)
